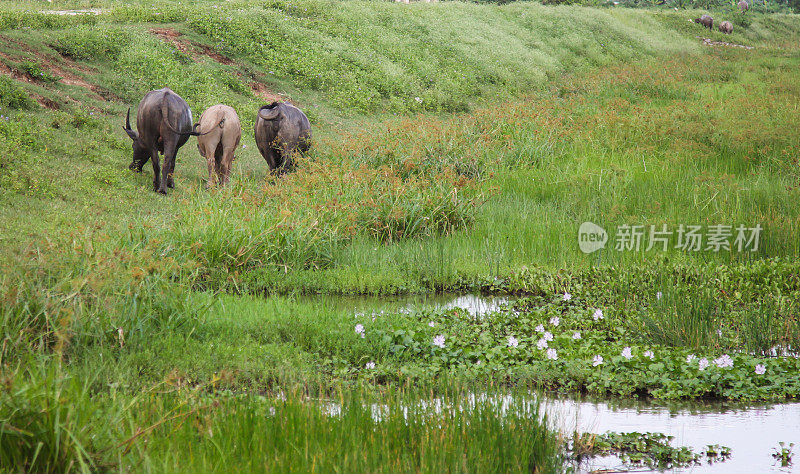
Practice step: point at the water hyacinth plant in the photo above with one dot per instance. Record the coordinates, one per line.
(577, 344)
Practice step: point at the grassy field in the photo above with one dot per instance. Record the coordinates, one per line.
(458, 148)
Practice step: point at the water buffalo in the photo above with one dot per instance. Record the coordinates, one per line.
(281, 129)
(164, 124)
(743, 6)
(726, 27)
(218, 134)
(705, 20)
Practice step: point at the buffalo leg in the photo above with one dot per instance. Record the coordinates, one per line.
(273, 160)
(225, 163)
(156, 171)
(213, 157)
(287, 163)
(170, 150)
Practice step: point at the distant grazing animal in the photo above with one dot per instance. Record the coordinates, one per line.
(218, 134)
(743, 6)
(164, 123)
(706, 21)
(281, 129)
(726, 27)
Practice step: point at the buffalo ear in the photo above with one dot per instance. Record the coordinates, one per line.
(269, 114)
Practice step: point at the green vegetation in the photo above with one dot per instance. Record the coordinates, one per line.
(653, 450)
(615, 335)
(783, 453)
(458, 147)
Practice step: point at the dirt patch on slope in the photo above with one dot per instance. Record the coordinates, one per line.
(65, 73)
(195, 50)
(15, 74)
(263, 92)
(48, 103)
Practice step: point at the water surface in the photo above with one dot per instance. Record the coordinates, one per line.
(751, 432)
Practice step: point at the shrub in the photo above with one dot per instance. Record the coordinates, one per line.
(37, 72)
(13, 95)
(92, 43)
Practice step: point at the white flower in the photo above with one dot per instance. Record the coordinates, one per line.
(702, 364)
(360, 329)
(626, 353)
(370, 365)
(761, 369)
(512, 341)
(658, 295)
(724, 361)
(439, 341)
(540, 328)
(418, 99)
(649, 355)
(541, 343)
(598, 315)
(576, 336)
(690, 358)
(431, 324)
(567, 296)
(719, 332)
(552, 354)
(598, 359)
(547, 336)
(554, 320)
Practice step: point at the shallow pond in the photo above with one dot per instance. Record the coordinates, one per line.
(752, 432)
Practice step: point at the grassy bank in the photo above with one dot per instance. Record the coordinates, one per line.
(686, 137)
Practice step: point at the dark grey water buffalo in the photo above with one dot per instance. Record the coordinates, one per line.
(218, 133)
(726, 27)
(164, 124)
(281, 129)
(705, 20)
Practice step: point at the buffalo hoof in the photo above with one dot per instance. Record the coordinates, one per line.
(170, 183)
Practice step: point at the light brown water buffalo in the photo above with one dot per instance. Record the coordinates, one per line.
(281, 129)
(218, 134)
(726, 27)
(706, 21)
(743, 6)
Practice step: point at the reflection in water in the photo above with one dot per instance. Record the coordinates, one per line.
(751, 433)
(476, 305)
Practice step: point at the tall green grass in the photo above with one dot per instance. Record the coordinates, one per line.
(47, 422)
(54, 423)
(351, 433)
